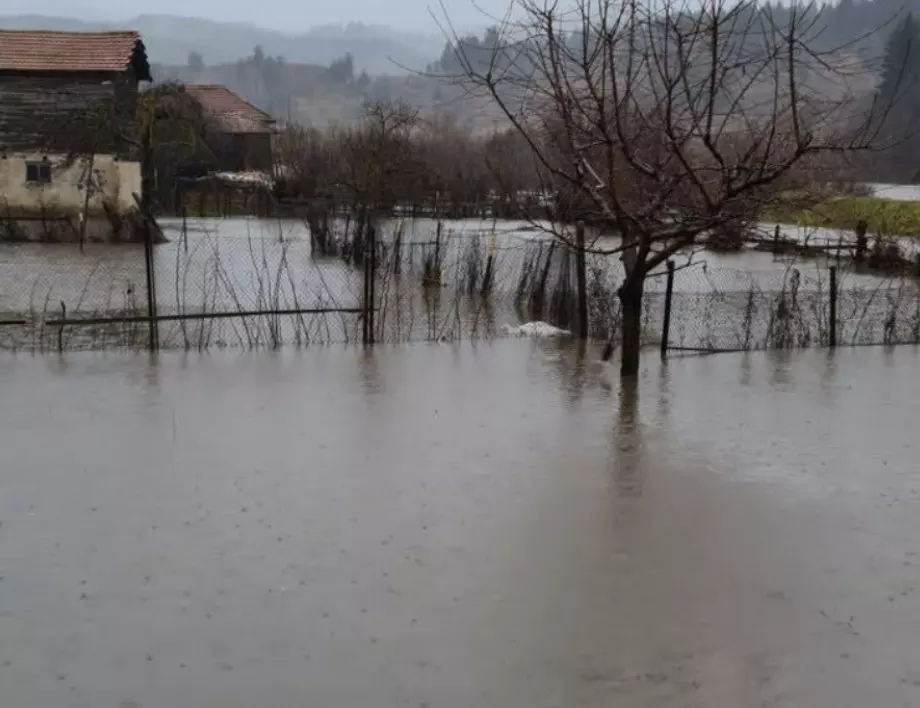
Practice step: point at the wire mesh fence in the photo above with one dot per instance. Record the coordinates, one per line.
(256, 283)
(41, 283)
(252, 285)
(717, 310)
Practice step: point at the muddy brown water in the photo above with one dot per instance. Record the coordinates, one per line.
(500, 526)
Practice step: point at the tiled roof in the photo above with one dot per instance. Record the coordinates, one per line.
(232, 113)
(41, 50)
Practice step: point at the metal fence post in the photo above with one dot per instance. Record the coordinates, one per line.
(833, 313)
(582, 278)
(154, 342)
(668, 295)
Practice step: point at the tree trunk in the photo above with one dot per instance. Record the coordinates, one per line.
(318, 242)
(630, 294)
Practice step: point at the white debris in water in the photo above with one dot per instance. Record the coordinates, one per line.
(535, 329)
(260, 179)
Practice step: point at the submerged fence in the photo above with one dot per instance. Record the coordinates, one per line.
(812, 307)
(255, 283)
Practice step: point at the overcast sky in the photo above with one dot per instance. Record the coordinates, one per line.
(290, 15)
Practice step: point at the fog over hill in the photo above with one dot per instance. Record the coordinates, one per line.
(171, 39)
(326, 73)
(287, 16)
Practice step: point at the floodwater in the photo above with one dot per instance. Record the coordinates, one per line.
(222, 264)
(498, 526)
(262, 266)
(898, 192)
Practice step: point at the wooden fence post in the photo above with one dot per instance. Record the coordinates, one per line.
(61, 330)
(148, 224)
(437, 253)
(372, 234)
(668, 295)
(581, 275)
(833, 313)
(184, 232)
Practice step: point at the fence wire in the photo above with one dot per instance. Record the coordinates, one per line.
(42, 282)
(264, 283)
(728, 309)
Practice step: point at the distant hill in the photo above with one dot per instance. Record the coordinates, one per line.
(170, 40)
(318, 95)
(326, 74)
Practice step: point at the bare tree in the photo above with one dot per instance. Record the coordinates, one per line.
(377, 156)
(452, 163)
(667, 121)
(377, 163)
(175, 140)
(307, 160)
(515, 179)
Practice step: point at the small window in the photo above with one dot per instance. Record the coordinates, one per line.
(38, 172)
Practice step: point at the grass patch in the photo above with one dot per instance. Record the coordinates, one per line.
(883, 216)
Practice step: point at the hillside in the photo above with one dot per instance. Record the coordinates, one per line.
(327, 73)
(318, 95)
(171, 40)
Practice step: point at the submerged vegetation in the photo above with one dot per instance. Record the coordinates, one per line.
(265, 286)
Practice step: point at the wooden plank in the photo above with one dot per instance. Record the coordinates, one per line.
(67, 113)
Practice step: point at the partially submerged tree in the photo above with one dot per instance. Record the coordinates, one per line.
(176, 140)
(307, 162)
(668, 121)
(367, 168)
(377, 162)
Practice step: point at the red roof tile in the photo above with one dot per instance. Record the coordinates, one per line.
(231, 112)
(40, 50)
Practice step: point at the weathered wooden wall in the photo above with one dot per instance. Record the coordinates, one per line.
(68, 112)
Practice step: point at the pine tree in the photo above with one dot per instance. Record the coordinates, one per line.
(901, 67)
(899, 100)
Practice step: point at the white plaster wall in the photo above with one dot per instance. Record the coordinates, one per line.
(129, 181)
(114, 181)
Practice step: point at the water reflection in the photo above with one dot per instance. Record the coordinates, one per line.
(370, 372)
(627, 459)
(574, 362)
(584, 358)
(780, 372)
(152, 372)
(746, 368)
(829, 374)
(459, 526)
(664, 387)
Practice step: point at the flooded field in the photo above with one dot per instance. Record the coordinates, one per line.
(723, 301)
(215, 256)
(899, 192)
(499, 526)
